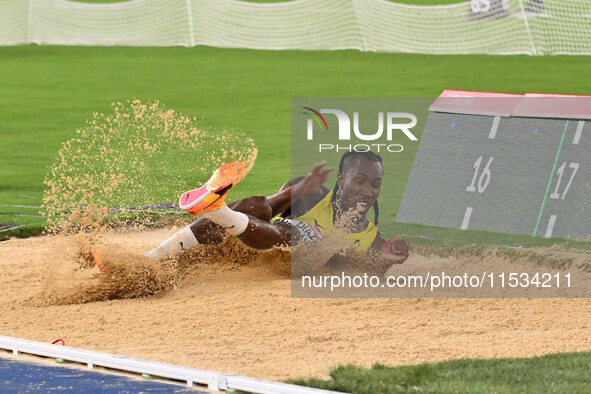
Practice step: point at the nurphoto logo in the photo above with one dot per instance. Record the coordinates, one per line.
(395, 122)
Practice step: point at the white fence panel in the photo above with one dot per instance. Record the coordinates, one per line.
(133, 23)
(472, 27)
(13, 22)
(301, 24)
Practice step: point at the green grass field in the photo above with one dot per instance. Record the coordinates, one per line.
(555, 373)
(48, 92)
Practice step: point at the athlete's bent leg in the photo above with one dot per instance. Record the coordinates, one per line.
(255, 232)
(208, 232)
(248, 219)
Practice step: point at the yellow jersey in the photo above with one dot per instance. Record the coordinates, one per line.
(321, 217)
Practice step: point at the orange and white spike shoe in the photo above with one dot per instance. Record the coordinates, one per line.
(211, 196)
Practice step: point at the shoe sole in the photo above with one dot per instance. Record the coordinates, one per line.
(193, 197)
(222, 180)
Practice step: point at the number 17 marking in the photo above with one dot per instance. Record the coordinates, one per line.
(556, 195)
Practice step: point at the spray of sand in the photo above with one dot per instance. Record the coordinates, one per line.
(131, 275)
(243, 319)
(334, 253)
(534, 273)
(124, 171)
(139, 156)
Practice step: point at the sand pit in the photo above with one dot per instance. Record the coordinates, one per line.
(236, 315)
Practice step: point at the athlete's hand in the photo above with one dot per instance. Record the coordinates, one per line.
(313, 181)
(396, 248)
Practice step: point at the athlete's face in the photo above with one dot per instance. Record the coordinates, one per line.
(360, 184)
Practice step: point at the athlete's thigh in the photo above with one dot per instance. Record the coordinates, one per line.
(256, 206)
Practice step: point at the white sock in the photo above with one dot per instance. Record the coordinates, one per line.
(174, 244)
(234, 222)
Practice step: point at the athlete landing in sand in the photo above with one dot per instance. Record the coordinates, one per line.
(316, 210)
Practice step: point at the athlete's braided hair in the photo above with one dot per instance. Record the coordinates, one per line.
(346, 161)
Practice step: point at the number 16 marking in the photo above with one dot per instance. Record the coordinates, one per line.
(556, 195)
(484, 177)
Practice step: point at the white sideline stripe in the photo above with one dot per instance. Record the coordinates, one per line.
(20, 206)
(494, 128)
(550, 228)
(12, 228)
(578, 132)
(214, 380)
(466, 220)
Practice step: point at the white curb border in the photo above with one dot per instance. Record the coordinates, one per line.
(213, 380)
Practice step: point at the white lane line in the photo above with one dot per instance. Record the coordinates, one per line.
(578, 132)
(550, 228)
(466, 220)
(494, 128)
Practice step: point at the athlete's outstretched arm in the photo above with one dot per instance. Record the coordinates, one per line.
(304, 192)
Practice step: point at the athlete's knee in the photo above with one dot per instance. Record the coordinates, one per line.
(261, 235)
(256, 206)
